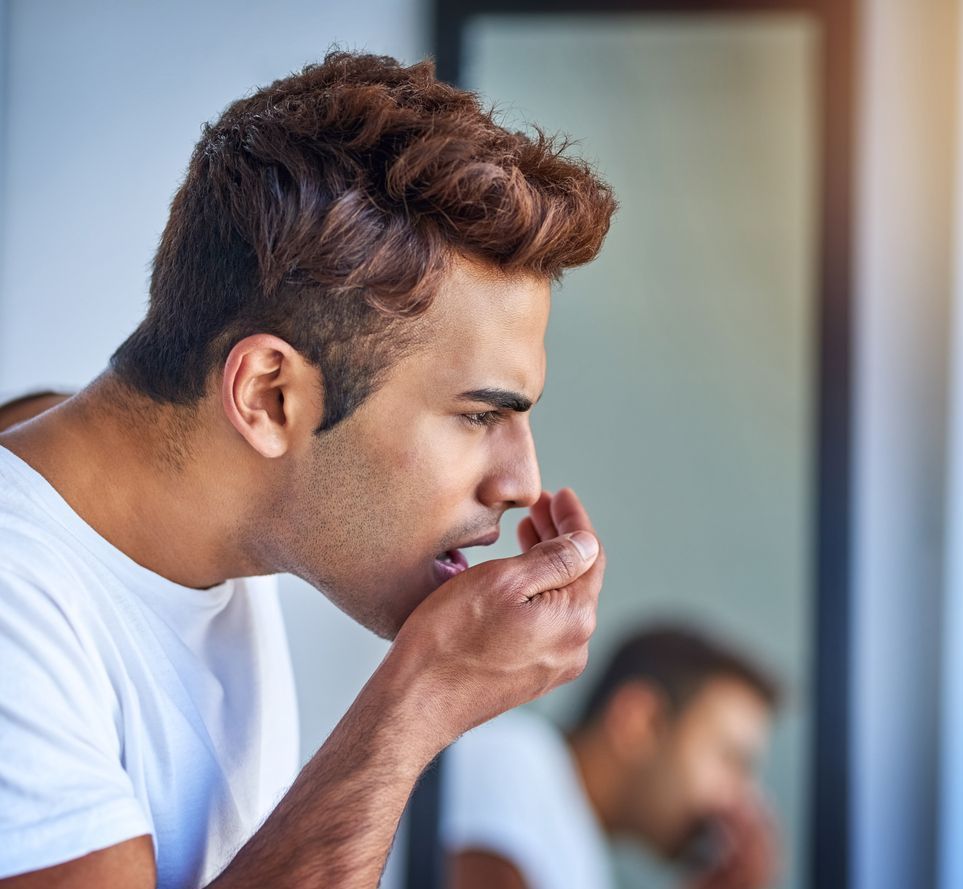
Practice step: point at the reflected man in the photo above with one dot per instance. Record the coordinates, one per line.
(664, 752)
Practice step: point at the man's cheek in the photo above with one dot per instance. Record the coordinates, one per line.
(439, 476)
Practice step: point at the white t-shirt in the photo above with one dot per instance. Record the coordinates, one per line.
(511, 787)
(130, 705)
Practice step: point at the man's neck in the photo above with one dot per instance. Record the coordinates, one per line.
(126, 467)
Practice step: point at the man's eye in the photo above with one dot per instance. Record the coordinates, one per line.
(485, 418)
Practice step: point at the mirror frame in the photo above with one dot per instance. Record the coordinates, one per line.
(828, 864)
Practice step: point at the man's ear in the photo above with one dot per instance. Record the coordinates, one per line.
(635, 718)
(270, 394)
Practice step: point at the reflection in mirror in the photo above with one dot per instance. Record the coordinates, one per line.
(680, 401)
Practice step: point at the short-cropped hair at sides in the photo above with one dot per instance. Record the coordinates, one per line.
(326, 207)
(678, 662)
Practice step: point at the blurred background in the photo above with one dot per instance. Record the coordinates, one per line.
(765, 361)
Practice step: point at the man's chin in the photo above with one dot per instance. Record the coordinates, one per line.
(368, 606)
(387, 620)
(384, 629)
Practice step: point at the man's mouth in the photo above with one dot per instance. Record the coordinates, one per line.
(452, 562)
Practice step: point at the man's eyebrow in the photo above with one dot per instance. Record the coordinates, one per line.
(500, 399)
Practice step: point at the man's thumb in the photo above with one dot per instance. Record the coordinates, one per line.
(555, 563)
(586, 543)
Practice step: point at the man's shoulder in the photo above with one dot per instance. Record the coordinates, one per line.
(40, 566)
(31, 551)
(35, 576)
(41, 541)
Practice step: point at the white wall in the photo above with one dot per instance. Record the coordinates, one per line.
(105, 99)
(904, 191)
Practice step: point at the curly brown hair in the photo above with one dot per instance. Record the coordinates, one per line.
(326, 207)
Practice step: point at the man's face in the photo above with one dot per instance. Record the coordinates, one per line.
(704, 764)
(375, 510)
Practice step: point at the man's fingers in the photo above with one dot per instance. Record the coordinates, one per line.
(751, 859)
(554, 564)
(568, 514)
(541, 516)
(527, 535)
(541, 525)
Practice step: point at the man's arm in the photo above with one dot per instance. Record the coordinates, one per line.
(128, 865)
(489, 639)
(336, 824)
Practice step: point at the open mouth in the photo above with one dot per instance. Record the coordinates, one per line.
(452, 561)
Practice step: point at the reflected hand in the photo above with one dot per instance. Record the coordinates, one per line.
(750, 856)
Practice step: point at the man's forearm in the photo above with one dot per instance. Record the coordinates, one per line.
(335, 825)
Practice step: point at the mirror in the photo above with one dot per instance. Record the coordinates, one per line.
(686, 391)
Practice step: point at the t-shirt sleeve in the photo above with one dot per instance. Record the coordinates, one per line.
(500, 784)
(63, 789)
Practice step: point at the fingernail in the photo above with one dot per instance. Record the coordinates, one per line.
(585, 543)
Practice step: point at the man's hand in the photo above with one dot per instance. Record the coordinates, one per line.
(509, 630)
(750, 857)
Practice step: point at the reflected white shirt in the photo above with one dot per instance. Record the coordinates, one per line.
(511, 787)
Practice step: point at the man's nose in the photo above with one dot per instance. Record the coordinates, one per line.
(514, 478)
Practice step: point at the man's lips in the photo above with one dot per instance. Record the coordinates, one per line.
(450, 563)
(453, 561)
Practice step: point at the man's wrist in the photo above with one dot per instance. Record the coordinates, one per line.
(417, 704)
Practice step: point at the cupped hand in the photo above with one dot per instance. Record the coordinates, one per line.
(750, 858)
(509, 630)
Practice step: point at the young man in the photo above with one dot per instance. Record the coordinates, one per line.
(664, 753)
(344, 339)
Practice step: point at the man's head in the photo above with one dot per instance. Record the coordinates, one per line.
(349, 301)
(682, 722)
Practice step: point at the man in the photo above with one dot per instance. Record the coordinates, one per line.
(663, 753)
(344, 339)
